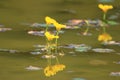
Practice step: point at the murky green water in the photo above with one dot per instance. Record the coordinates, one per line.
(14, 13)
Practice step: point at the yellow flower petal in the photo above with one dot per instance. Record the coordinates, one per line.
(59, 67)
(50, 36)
(104, 37)
(49, 20)
(49, 71)
(105, 8)
(59, 26)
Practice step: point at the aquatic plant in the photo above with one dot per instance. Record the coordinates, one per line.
(52, 47)
(104, 37)
(105, 9)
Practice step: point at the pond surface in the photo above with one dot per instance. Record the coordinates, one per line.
(79, 65)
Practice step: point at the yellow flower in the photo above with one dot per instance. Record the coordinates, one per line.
(49, 20)
(49, 71)
(59, 67)
(104, 37)
(50, 36)
(105, 8)
(59, 26)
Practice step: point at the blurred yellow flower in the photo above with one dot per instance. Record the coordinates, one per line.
(49, 71)
(52, 70)
(59, 26)
(49, 20)
(105, 8)
(59, 67)
(50, 36)
(104, 37)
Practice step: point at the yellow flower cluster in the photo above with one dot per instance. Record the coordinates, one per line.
(50, 36)
(49, 71)
(52, 70)
(52, 48)
(104, 37)
(54, 22)
(59, 67)
(105, 8)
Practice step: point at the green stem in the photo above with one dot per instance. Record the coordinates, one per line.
(104, 29)
(56, 42)
(87, 26)
(57, 60)
(49, 53)
(48, 48)
(49, 62)
(46, 28)
(104, 17)
(87, 29)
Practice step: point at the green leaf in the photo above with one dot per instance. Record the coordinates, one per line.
(112, 22)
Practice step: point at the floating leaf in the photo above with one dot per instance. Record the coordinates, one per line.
(79, 79)
(105, 1)
(101, 50)
(113, 17)
(82, 48)
(33, 68)
(115, 73)
(112, 22)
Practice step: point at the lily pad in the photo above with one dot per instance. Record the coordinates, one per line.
(5, 29)
(33, 68)
(48, 56)
(112, 22)
(35, 53)
(39, 46)
(69, 46)
(102, 50)
(112, 43)
(4, 50)
(61, 32)
(118, 53)
(117, 62)
(36, 33)
(113, 17)
(79, 79)
(82, 48)
(40, 25)
(71, 52)
(105, 1)
(115, 73)
(13, 51)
